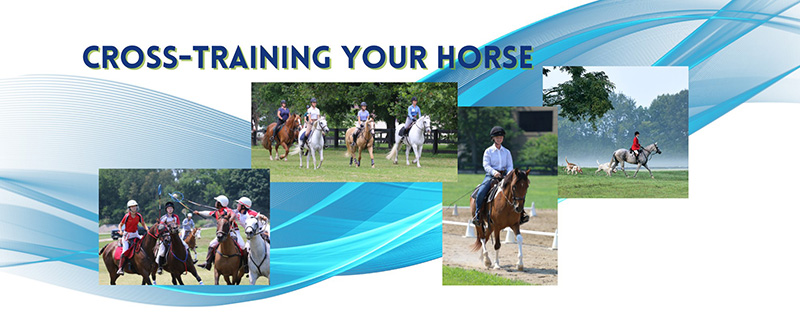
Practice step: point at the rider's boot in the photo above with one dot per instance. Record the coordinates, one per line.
(477, 219)
(209, 262)
(120, 271)
(160, 261)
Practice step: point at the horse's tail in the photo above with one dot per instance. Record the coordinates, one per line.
(295, 149)
(103, 249)
(393, 153)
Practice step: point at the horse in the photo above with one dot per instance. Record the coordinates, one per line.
(258, 259)
(191, 241)
(506, 207)
(623, 155)
(365, 140)
(316, 143)
(285, 137)
(228, 260)
(142, 263)
(416, 136)
(178, 260)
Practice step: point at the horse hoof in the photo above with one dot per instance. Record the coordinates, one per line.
(270, 158)
(373, 165)
(520, 268)
(495, 267)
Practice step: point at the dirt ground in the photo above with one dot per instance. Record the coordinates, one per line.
(541, 263)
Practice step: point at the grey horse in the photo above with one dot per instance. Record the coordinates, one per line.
(624, 155)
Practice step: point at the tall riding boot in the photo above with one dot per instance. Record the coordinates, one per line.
(477, 220)
(121, 271)
(209, 259)
(160, 261)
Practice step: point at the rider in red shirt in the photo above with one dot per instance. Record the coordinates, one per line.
(636, 147)
(222, 209)
(129, 226)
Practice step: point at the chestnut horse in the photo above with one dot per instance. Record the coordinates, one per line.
(142, 263)
(365, 140)
(285, 137)
(506, 207)
(191, 241)
(228, 262)
(178, 260)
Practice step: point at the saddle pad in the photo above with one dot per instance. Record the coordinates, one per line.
(117, 253)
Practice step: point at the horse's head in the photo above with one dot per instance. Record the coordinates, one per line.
(162, 231)
(322, 124)
(426, 123)
(518, 182)
(173, 228)
(658, 151)
(223, 227)
(371, 125)
(251, 227)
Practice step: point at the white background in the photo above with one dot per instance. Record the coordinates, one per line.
(730, 249)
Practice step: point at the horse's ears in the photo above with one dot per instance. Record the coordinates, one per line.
(528, 172)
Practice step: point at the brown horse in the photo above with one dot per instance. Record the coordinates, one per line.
(142, 263)
(506, 208)
(149, 245)
(365, 140)
(191, 241)
(228, 262)
(178, 260)
(285, 137)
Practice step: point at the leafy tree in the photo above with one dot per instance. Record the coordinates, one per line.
(541, 151)
(582, 98)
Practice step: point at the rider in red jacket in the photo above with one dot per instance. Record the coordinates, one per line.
(636, 147)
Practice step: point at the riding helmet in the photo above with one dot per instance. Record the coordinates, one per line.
(169, 204)
(413, 98)
(283, 102)
(222, 200)
(132, 203)
(313, 99)
(363, 104)
(245, 201)
(498, 131)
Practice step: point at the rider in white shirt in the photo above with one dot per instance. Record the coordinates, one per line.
(312, 115)
(168, 219)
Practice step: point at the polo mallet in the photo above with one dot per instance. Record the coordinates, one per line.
(158, 197)
(178, 198)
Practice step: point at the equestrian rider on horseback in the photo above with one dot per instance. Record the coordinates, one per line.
(129, 226)
(186, 226)
(413, 114)
(243, 209)
(222, 210)
(636, 146)
(283, 115)
(362, 117)
(311, 116)
(169, 219)
(497, 162)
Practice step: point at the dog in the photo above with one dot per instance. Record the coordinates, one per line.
(606, 167)
(570, 168)
(576, 169)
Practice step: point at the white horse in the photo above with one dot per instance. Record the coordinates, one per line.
(316, 143)
(415, 139)
(258, 255)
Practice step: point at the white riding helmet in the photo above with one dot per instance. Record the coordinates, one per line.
(222, 200)
(132, 203)
(245, 201)
(189, 214)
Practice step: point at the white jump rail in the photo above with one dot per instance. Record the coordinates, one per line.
(540, 233)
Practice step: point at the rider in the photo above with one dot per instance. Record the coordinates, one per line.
(283, 115)
(168, 219)
(413, 114)
(362, 117)
(221, 210)
(497, 162)
(129, 226)
(311, 116)
(636, 147)
(243, 209)
(186, 226)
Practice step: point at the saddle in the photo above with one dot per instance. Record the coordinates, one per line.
(135, 245)
(493, 188)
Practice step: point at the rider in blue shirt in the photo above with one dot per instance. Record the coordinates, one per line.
(413, 114)
(283, 115)
(497, 162)
(362, 117)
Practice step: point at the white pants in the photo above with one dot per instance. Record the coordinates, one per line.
(162, 249)
(125, 237)
(234, 233)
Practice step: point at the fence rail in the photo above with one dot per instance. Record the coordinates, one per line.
(336, 138)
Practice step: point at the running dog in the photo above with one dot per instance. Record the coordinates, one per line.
(606, 167)
(571, 167)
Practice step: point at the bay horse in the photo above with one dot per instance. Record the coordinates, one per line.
(624, 155)
(178, 260)
(191, 241)
(285, 136)
(365, 140)
(414, 140)
(258, 259)
(228, 261)
(142, 263)
(149, 245)
(506, 207)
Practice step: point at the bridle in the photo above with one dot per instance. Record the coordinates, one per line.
(256, 233)
(517, 207)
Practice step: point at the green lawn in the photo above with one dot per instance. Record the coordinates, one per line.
(166, 279)
(543, 191)
(336, 168)
(667, 184)
(457, 276)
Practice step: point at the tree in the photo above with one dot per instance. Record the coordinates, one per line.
(541, 151)
(583, 98)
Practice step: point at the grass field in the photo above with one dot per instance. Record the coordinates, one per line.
(336, 168)
(667, 184)
(542, 191)
(457, 276)
(166, 279)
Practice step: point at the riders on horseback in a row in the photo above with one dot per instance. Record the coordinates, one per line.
(497, 163)
(129, 226)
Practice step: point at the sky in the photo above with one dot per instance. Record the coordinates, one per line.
(643, 84)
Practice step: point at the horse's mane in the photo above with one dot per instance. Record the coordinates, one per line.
(521, 176)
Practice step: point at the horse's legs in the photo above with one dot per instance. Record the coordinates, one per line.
(216, 277)
(638, 166)
(180, 280)
(622, 167)
(358, 162)
(417, 152)
(651, 172)
(496, 233)
(321, 157)
(314, 156)
(227, 279)
(520, 267)
(484, 253)
(285, 155)
(371, 157)
(253, 273)
(408, 148)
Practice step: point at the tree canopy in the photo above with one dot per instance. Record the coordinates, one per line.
(582, 98)
(339, 102)
(117, 186)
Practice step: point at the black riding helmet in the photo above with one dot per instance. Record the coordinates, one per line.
(413, 98)
(169, 204)
(497, 131)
